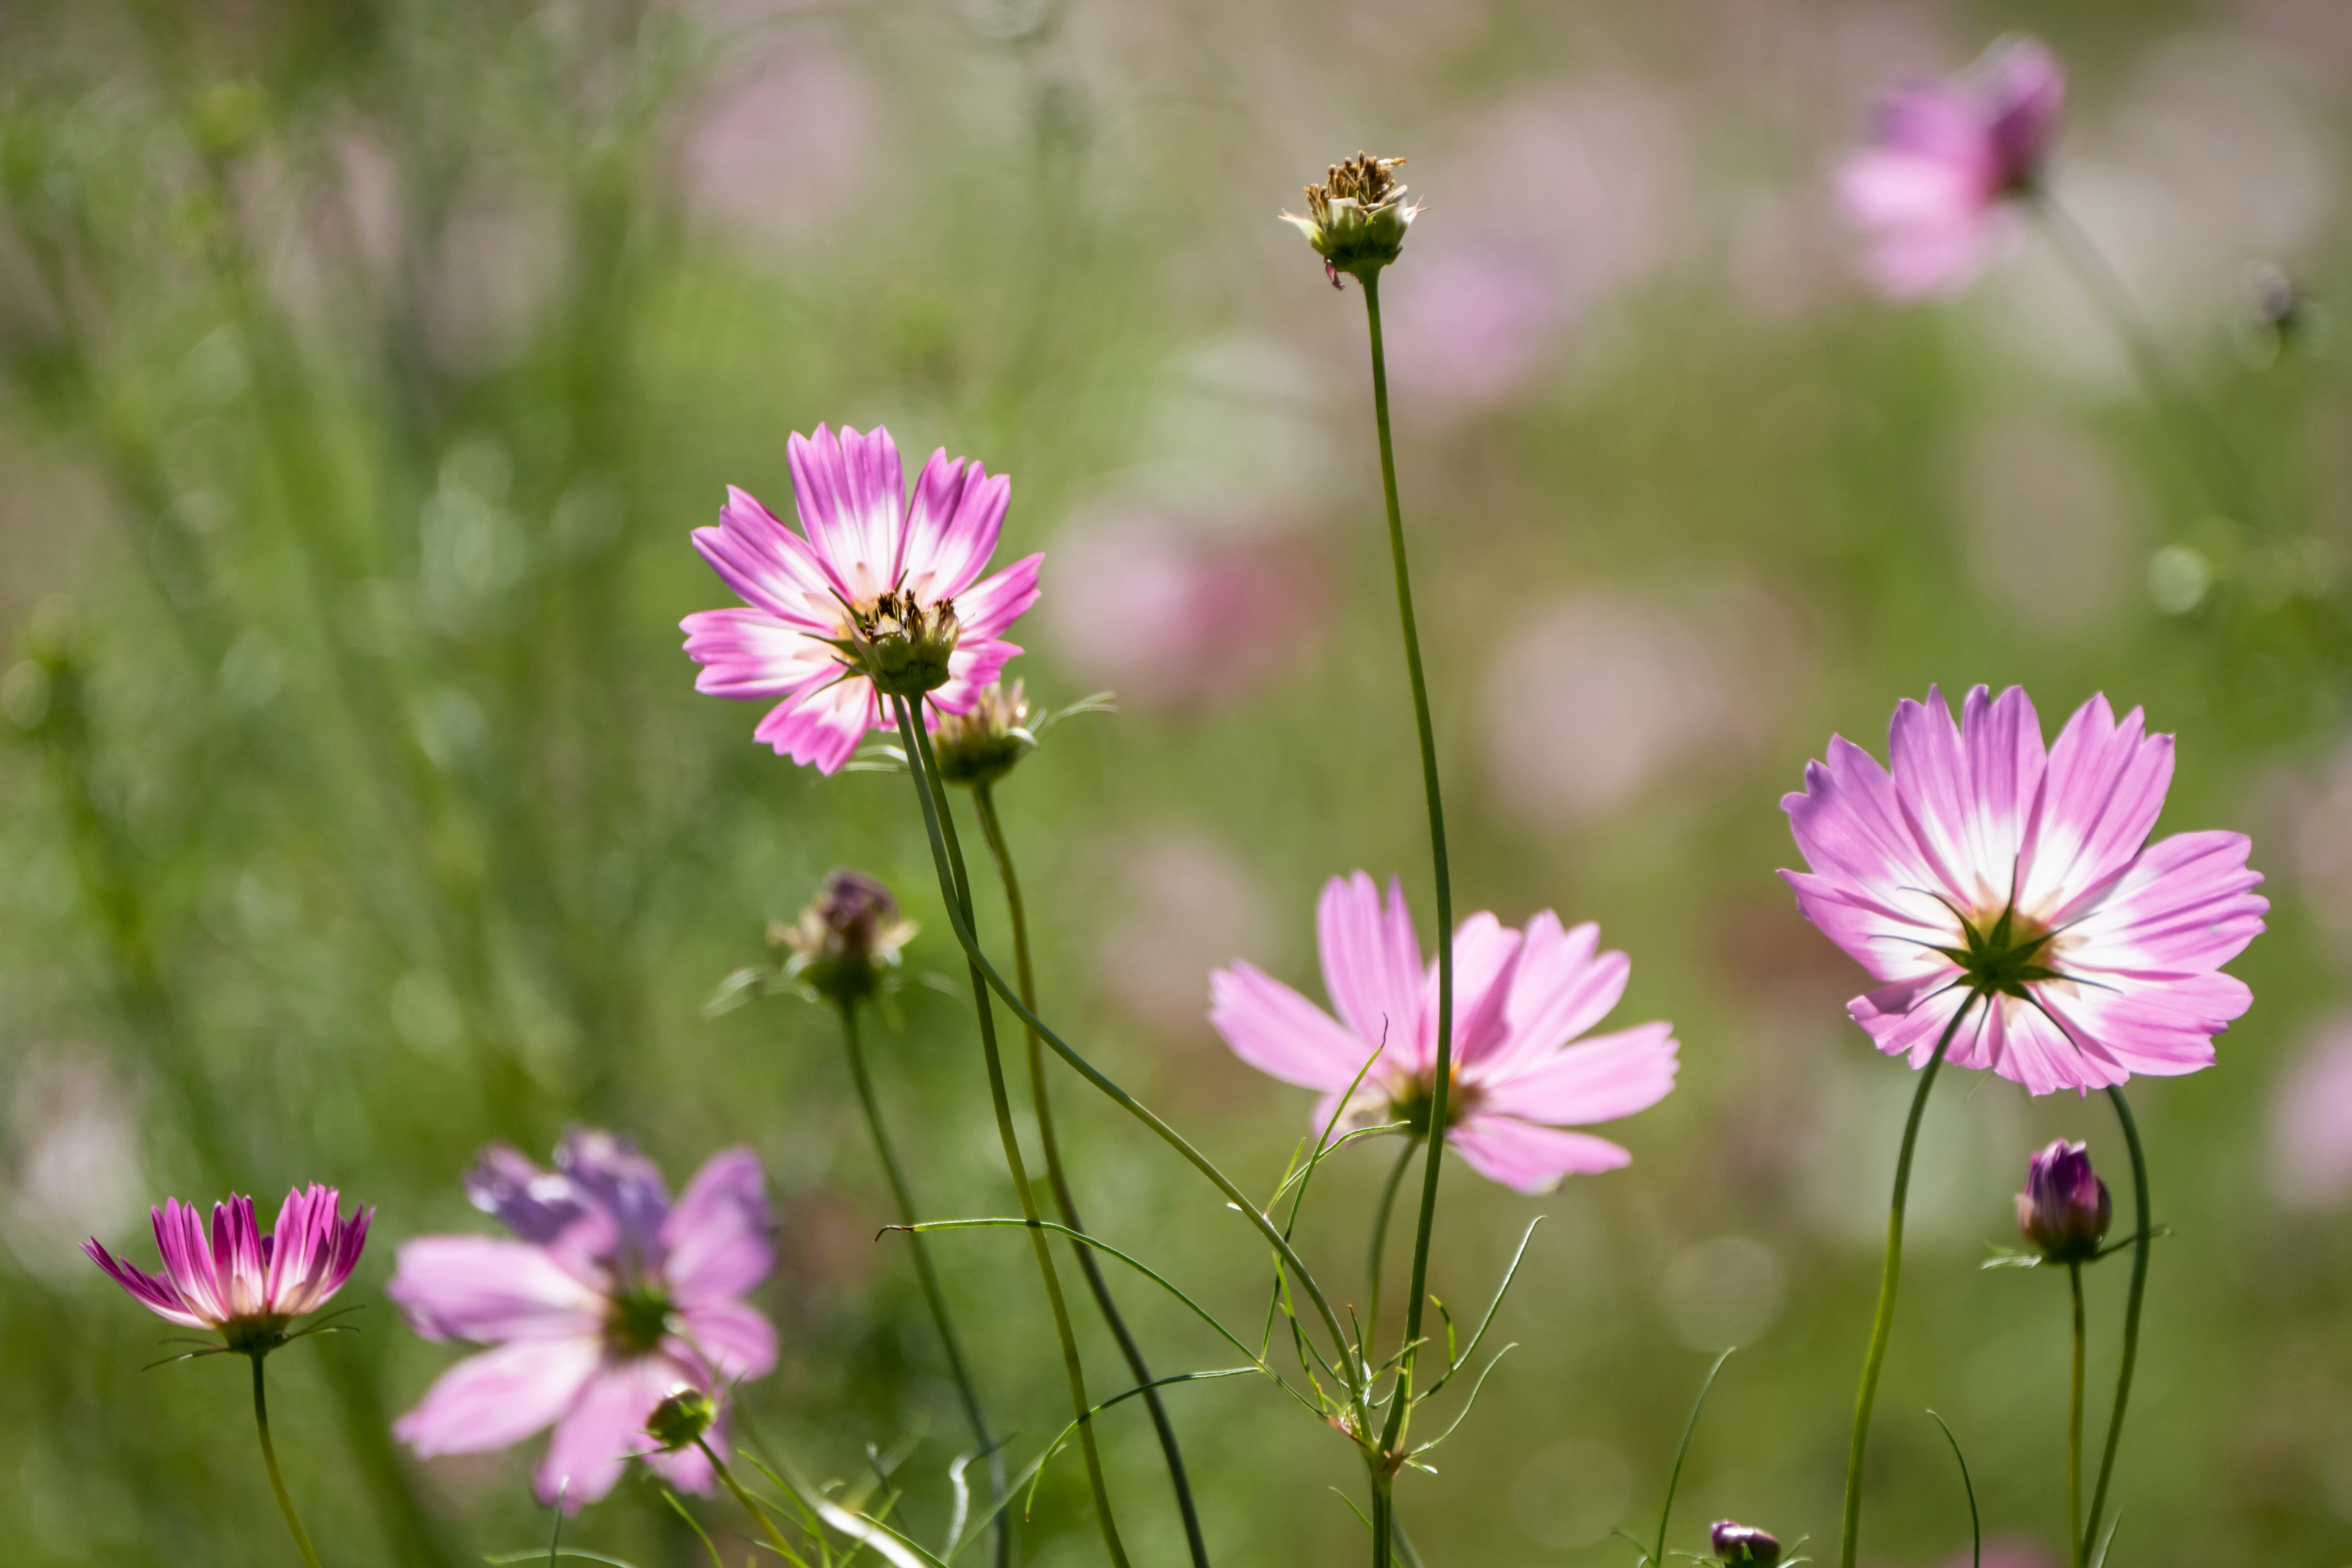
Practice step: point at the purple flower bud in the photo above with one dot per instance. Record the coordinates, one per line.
(846, 938)
(2065, 1208)
(1736, 1542)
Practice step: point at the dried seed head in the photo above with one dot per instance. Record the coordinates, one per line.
(1357, 218)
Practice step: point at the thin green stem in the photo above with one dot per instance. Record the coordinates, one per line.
(752, 1505)
(1882, 1324)
(1674, 1476)
(917, 748)
(1442, 1082)
(983, 801)
(966, 1392)
(2074, 1426)
(269, 1462)
(957, 889)
(1381, 1240)
(2132, 1302)
(1383, 1515)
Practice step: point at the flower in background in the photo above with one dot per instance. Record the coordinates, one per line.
(247, 1287)
(1523, 1070)
(877, 595)
(609, 1302)
(2065, 1209)
(848, 938)
(1986, 864)
(2311, 1121)
(1945, 159)
(1173, 608)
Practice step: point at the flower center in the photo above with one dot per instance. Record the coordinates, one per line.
(638, 1321)
(2001, 953)
(901, 644)
(260, 1333)
(1412, 1103)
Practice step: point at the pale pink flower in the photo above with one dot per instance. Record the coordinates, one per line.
(1932, 188)
(2311, 1121)
(609, 1300)
(243, 1285)
(867, 561)
(1523, 1071)
(1985, 864)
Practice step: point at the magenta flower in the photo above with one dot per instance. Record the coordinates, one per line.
(1932, 188)
(2065, 1209)
(875, 588)
(1523, 1072)
(1986, 864)
(243, 1285)
(610, 1301)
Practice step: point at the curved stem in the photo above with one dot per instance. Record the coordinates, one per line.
(2074, 1427)
(269, 1462)
(918, 748)
(2132, 1302)
(1381, 1240)
(1890, 1276)
(957, 889)
(1442, 1082)
(983, 800)
(966, 1392)
(751, 1504)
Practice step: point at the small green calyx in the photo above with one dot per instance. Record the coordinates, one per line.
(981, 747)
(1357, 219)
(681, 1418)
(637, 1322)
(901, 645)
(2001, 958)
(254, 1336)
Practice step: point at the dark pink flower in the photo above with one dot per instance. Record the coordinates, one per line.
(244, 1285)
(1945, 157)
(610, 1301)
(868, 567)
(1523, 1070)
(2065, 1209)
(1986, 863)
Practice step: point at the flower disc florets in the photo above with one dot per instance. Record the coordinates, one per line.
(848, 938)
(2001, 955)
(1357, 218)
(981, 746)
(901, 644)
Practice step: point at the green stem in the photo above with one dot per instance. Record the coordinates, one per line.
(918, 747)
(751, 1504)
(927, 1276)
(269, 1462)
(957, 889)
(1381, 1240)
(2074, 1426)
(1889, 1278)
(1383, 1516)
(983, 800)
(1442, 1082)
(2132, 1302)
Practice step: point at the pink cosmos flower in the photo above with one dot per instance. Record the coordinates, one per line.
(1987, 865)
(243, 1285)
(874, 585)
(609, 1300)
(1945, 157)
(1522, 1071)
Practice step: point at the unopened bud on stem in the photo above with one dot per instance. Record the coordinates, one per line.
(1736, 1542)
(2064, 1209)
(847, 939)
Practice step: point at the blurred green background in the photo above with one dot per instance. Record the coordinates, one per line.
(366, 364)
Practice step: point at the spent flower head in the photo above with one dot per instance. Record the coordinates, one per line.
(981, 747)
(241, 1284)
(847, 940)
(1357, 218)
(2064, 1210)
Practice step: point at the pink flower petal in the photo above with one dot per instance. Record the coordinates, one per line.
(736, 1340)
(852, 495)
(1485, 959)
(1373, 970)
(501, 1396)
(951, 526)
(1529, 1158)
(2106, 783)
(487, 1288)
(1560, 988)
(1596, 1080)
(1282, 1034)
(153, 1293)
(987, 610)
(751, 653)
(719, 1237)
(822, 727)
(604, 1429)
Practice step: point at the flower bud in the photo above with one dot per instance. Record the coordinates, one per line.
(981, 747)
(1736, 1542)
(2065, 1208)
(845, 938)
(682, 1417)
(902, 645)
(1357, 219)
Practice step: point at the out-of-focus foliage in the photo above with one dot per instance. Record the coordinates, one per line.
(366, 364)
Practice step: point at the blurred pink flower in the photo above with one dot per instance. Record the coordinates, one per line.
(1185, 901)
(1473, 322)
(2008, 1552)
(1945, 158)
(2311, 1121)
(1522, 1074)
(864, 540)
(785, 148)
(610, 1301)
(1173, 613)
(243, 1285)
(1988, 863)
